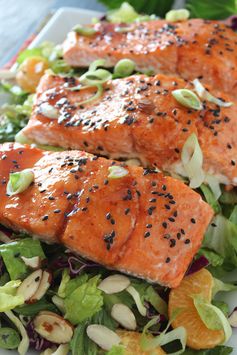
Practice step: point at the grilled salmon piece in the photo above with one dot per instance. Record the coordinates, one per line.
(191, 49)
(143, 223)
(136, 117)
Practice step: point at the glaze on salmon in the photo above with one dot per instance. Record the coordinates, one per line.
(192, 49)
(136, 117)
(144, 223)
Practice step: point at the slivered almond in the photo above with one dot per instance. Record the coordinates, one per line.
(33, 263)
(53, 327)
(30, 285)
(124, 316)
(114, 284)
(102, 336)
(43, 287)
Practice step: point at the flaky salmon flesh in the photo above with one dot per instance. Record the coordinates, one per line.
(192, 49)
(136, 117)
(144, 223)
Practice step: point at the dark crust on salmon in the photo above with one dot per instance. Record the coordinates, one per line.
(144, 224)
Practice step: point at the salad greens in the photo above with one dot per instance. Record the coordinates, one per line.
(211, 9)
(74, 294)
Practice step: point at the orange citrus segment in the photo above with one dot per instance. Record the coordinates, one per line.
(198, 335)
(131, 342)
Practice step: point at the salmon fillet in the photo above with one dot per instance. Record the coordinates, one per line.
(144, 223)
(136, 117)
(191, 49)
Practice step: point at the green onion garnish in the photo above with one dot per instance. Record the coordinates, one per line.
(19, 181)
(96, 77)
(177, 15)
(192, 159)
(117, 172)
(205, 95)
(84, 30)
(124, 67)
(187, 98)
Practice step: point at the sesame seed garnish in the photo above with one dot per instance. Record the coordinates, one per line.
(163, 187)
(178, 235)
(147, 234)
(149, 225)
(44, 218)
(193, 220)
(171, 219)
(167, 207)
(57, 211)
(167, 260)
(108, 215)
(165, 225)
(182, 231)
(172, 243)
(150, 210)
(127, 210)
(112, 221)
(187, 241)
(232, 162)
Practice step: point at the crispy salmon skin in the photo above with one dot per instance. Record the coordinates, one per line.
(143, 223)
(191, 49)
(136, 117)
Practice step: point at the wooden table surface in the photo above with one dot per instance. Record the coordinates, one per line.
(20, 18)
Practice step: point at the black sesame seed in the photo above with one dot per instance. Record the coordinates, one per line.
(187, 241)
(44, 218)
(167, 207)
(108, 215)
(57, 211)
(178, 235)
(147, 234)
(165, 225)
(182, 231)
(167, 260)
(172, 243)
(232, 162)
(127, 210)
(171, 219)
(149, 225)
(193, 220)
(112, 221)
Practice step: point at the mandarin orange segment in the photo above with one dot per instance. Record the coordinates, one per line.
(131, 342)
(198, 335)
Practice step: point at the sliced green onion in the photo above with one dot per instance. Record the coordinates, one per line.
(84, 30)
(137, 299)
(97, 63)
(177, 15)
(205, 95)
(96, 96)
(125, 13)
(48, 110)
(210, 198)
(214, 185)
(124, 67)
(9, 338)
(187, 98)
(96, 77)
(192, 160)
(24, 344)
(149, 343)
(212, 316)
(19, 181)
(117, 172)
(122, 29)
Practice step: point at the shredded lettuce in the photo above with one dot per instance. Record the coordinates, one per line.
(12, 252)
(84, 301)
(8, 297)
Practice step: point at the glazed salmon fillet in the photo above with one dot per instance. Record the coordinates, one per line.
(143, 223)
(136, 117)
(191, 49)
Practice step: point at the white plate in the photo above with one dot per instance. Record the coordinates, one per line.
(55, 30)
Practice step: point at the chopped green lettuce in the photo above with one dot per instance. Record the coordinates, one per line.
(12, 252)
(84, 301)
(212, 9)
(8, 297)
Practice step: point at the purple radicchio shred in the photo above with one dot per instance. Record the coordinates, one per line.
(36, 341)
(197, 265)
(75, 264)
